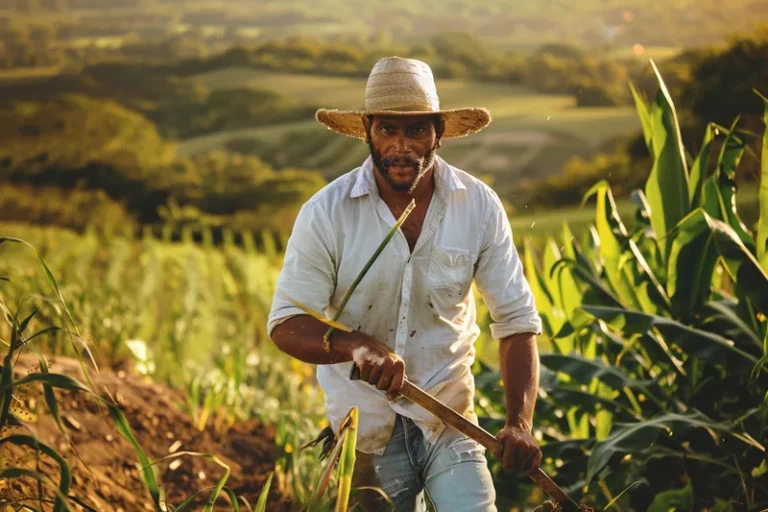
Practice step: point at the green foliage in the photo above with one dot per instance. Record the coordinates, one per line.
(123, 170)
(667, 185)
(762, 229)
(77, 209)
(655, 376)
(742, 59)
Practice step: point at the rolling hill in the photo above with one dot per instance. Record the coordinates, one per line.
(531, 136)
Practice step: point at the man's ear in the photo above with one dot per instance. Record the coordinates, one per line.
(440, 131)
(367, 122)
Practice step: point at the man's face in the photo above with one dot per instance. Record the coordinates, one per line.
(403, 148)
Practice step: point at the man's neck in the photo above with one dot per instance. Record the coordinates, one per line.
(398, 200)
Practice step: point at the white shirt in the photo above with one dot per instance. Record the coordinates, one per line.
(420, 304)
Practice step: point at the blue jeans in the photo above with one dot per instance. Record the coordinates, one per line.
(452, 473)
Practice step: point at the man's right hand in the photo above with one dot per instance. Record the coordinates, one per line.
(378, 365)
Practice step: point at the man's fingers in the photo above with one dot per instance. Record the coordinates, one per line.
(375, 375)
(398, 379)
(510, 454)
(536, 462)
(365, 371)
(386, 378)
(396, 384)
(525, 462)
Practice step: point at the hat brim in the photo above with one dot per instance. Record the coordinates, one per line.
(459, 122)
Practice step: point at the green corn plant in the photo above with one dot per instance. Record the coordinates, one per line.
(762, 225)
(658, 335)
(347, 463)
(341, 456)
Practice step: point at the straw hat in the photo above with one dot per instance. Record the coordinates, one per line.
(398, 86)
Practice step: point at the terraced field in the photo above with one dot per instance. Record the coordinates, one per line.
(532, 135)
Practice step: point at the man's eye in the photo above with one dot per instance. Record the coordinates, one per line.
(388, 130)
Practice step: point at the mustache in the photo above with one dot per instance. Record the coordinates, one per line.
(400, 161)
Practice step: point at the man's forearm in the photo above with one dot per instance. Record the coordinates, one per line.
(519, 361)
(302, 337)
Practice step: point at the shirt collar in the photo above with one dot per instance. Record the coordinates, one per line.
(446, 180)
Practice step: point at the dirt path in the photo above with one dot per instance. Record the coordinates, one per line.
(108, 479)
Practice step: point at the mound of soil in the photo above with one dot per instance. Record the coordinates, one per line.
(104, 465)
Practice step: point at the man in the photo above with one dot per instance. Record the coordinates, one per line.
(414, 312)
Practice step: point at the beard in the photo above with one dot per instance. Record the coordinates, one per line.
(421, 165)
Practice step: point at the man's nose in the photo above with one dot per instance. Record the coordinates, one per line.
(403, 143)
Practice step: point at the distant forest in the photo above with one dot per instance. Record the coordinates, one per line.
(504, 23)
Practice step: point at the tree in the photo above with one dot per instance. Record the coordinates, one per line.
(722, 82)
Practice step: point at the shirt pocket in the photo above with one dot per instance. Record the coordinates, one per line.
(450, 269)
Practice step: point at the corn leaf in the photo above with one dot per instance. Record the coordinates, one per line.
(551, 322)
(24, 323)
(185, 505)
(232, 498)
(635, 437)
(43, 332)
(220, 486)
(667, 186)
(50, 397)
(692, 262)
(261, 504)
(550, 256)
(673, 499)
(571, 291)
(65, 478)
(763, 360)
(347, 463)
(695, 342)
(726, 313)
(6, 384)
(618, 496)
(596, 291)
(588, 402)
(609, 228)
(762, 226)
(699, 168)
(750, 278)
(719, 191)
(583, 370)
(51, 379)
(52, 282)
(643, 112)
(147, 472)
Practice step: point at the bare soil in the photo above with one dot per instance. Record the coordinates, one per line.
(105, 474)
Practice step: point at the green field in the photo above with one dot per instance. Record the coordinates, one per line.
(532, 135)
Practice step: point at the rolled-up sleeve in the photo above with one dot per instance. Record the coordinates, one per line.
(308, 274)
(500, 278)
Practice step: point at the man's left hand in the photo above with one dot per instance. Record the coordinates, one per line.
(521, 450)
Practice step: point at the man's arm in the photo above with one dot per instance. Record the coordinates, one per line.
(301, 337)
(309, 275)
(519, 361)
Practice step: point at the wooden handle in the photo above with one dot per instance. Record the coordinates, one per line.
(485, 438)
(479, 434)
(452, 418)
